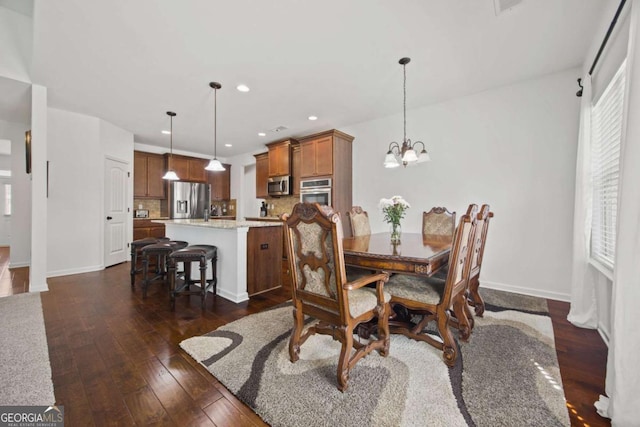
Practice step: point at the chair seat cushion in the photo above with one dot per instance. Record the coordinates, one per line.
(363, 300)
(157, 249)
(194, 253)
(421, 289)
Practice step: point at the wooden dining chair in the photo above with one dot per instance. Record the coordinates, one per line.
(429, 301)
(438, 222)
(320, 288)
(474, 298)
(359, 220)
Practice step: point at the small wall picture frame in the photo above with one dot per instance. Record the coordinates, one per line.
(27, 148)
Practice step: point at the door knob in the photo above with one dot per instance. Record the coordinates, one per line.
(108, 218)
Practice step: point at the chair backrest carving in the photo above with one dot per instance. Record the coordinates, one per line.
(359, 220)
(482, 227)
(438, 222)
(461, 255)
(314, 242)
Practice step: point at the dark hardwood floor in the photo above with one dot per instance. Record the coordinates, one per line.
(115, 357)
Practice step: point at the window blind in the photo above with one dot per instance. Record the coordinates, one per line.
(606, 132)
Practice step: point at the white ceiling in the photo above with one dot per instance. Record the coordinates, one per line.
(128, 62)
(15, 102)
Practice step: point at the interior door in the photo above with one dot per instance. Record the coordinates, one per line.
(115, 218)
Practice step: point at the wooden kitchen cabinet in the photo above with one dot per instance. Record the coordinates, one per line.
(262, 175)
(295, 170)
(148, 169)
(188, 168)
(264, 250)
(280, 157)
(316, 157)
(329, 154)
(143, 228)
(220, 183)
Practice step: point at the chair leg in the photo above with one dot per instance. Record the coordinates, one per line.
(145, 272)
(134, 261)
(172, 283)
(296, 332)
(459, 304)
(345, 357)
(383, 330)
(203, 281)
(476, 298)
(449, 347)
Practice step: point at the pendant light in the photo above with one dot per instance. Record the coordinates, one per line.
(171, 175)
(405, 153)
(215, 165)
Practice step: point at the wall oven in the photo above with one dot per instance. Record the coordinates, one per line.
(279, 186)
(316, 191)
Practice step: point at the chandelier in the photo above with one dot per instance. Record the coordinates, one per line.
(405, 153)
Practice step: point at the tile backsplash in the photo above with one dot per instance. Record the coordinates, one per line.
(152, 205)
(224, 207)
(281, 205)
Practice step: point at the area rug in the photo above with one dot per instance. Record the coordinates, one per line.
(507, 373)
(25, 377)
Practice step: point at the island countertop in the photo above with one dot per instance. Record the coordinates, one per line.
(219, 223)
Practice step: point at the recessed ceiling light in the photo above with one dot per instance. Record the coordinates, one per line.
(262, 134)
(243, 88)
(228, 145)
(166, 132)
(313, 118)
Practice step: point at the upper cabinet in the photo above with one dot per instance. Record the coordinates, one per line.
(280, 157)
(262, 175)
(188, 168)
(220, 183)
(316, 156)
(295, 170)
(148, 169)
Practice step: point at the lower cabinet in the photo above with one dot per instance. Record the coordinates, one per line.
(143, 228)
(264, 256)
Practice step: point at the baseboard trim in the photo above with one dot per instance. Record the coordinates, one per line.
(19, 264)
(71, 271)
(525, 291)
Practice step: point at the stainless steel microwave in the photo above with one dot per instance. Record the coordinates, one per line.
(279, 186)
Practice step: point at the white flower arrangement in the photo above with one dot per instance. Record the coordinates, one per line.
(393, 209)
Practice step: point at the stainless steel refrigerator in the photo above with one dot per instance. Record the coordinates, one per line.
(189, 200)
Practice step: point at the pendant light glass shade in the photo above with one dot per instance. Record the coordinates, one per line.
(171, 175)
(215, 165)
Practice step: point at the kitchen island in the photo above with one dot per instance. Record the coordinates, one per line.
(237, 241)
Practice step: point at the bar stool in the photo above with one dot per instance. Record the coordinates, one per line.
(136, 247)
(201, 254)
(160, 250)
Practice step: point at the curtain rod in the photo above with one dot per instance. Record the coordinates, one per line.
(614, 21)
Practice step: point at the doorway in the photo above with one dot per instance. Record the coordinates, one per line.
(115, 215)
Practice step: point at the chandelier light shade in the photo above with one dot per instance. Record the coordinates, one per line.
(407, 152)
(171, 174)
(215, 165)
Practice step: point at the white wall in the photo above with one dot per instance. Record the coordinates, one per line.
(243, 184)
(20, 242)
(75, 198)
(513, 147)
(16, 40)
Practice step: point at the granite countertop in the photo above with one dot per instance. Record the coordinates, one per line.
(220, 223)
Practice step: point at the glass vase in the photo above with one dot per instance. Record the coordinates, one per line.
(396, 232)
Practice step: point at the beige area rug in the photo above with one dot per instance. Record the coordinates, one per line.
(25, 377)
(507, 374)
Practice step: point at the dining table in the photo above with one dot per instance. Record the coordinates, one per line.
(415, 254)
